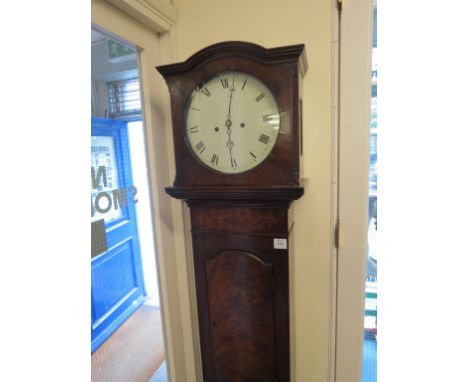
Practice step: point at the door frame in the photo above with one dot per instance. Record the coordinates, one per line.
(149, 30)
(352, 28)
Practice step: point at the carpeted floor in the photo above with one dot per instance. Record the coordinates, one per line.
(134, 352)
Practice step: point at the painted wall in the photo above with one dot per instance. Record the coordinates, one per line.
(271, 24)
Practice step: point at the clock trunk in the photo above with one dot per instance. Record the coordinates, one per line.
(242, 289)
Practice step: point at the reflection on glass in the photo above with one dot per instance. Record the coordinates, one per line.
(105, 178)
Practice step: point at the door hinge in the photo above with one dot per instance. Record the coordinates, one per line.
(339, 5)
(337, 234)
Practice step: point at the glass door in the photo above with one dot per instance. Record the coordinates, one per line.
(126, 330)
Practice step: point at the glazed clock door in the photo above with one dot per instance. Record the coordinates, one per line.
(117, 288)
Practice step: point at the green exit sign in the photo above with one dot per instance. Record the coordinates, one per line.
(117, 49)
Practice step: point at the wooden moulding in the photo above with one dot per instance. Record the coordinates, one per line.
(292, 53)
(239, 193)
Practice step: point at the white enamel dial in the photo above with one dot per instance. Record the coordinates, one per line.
(232, 122)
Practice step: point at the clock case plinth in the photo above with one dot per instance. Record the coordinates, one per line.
(242, 280)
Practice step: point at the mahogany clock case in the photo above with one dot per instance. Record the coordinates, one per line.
(241, 276)
(278, 69)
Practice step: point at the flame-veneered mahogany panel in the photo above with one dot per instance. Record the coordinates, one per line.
(241, 310)
(242, 219)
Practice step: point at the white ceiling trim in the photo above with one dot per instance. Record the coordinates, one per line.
(157, 15)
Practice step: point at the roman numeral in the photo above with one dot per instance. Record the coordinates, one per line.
(214, 159)
(244, 84)
(233, 162)
(264, 138)
(260, 96)
(195, 108)
(206, 92)
(253, 155)
(200, 147)
(224, 82)
(193, 129)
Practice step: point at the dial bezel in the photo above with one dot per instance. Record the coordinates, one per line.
(189, 102)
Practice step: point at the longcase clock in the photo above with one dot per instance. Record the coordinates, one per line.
(236, 115)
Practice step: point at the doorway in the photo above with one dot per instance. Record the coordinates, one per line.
(353, 30)
(126, 331)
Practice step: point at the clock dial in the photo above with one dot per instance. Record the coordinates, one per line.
(232, 122)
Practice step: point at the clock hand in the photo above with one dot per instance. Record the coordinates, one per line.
(228, 123)
(230, 98)
(230, 142)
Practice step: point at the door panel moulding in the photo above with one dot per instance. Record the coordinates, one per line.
(157, 15)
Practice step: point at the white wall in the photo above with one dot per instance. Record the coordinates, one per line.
(355, 89)
(271, 24)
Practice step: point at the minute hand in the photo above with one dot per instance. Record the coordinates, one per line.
(230, 98)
